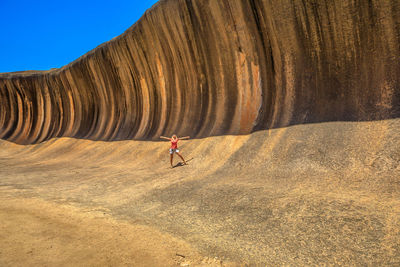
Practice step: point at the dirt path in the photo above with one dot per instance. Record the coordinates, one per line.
(296, 196)
(37, 233)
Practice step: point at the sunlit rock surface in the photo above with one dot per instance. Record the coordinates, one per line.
(205, 67)
(303, 98)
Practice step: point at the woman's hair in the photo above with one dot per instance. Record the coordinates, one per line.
(174, 135)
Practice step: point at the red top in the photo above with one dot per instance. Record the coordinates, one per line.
(174, 144)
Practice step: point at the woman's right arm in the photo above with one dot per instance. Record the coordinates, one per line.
(163, 137)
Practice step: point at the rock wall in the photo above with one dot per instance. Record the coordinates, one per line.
(206, 67)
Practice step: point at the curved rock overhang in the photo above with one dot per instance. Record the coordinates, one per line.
(205, 67)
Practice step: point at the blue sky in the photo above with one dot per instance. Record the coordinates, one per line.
(40, 35)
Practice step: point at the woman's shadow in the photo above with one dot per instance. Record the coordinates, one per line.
(180, 164)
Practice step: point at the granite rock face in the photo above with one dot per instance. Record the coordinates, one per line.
(206, 67)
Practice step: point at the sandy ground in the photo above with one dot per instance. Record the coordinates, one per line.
(316, 194)
(37, 233)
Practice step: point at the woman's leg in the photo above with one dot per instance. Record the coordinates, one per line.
(172, 158)
(179, 154)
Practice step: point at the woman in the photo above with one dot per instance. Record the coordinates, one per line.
(174, 147)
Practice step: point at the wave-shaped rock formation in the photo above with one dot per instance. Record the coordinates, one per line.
(205, 67)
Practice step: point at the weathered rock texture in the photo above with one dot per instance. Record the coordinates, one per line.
(307, 195)
(206, 67)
